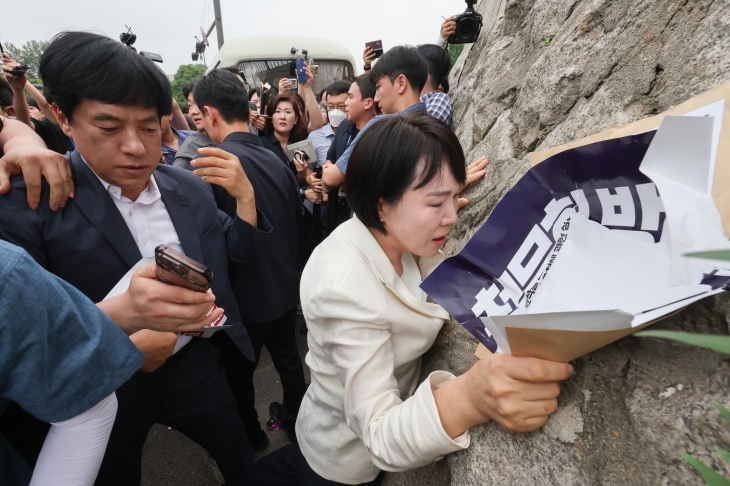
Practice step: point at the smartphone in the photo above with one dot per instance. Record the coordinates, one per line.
(174, 268)
(318, 172)
(301, 75)
(315, 69)
(376, 46)
(293, 84)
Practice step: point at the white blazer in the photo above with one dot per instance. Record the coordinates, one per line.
(364, 410)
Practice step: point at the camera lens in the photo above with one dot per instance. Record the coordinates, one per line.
(466, 29)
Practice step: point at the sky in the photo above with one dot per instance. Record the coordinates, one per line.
(168, 27)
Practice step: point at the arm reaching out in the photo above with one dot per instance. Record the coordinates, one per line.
(26, 154)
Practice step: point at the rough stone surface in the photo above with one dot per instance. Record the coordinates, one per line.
(543, 73)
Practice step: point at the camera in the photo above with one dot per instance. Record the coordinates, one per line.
(128, 39)
(19, 70)
(468, 26)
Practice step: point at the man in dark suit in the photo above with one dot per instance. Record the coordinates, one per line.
(266, 288)
(110, 101)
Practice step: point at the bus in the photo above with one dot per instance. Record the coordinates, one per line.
(268, 58)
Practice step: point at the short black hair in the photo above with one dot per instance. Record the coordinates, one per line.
(254, 91)
(438, 62)
(32, 102)
(445, 85)
(188, 88)
(367, 89)
(82, 65)
(405, 60)
(385, 161)
(6, 93)
(222, 90)
(321, 95)
(338, 88)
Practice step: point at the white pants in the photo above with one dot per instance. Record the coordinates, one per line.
(73, 450)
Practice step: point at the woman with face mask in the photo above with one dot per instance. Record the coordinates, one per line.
(369, 322)
(287, 126)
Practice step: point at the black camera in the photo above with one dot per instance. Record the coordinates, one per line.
(19, 70)
(468, 26)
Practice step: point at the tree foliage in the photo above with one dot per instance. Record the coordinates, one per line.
(29, 53)
(185, 74)
(454, 53)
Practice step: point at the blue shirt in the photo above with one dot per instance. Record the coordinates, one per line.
(439, 106)
(59, 354)
(344, 160)
(321, 140)
(182, 135)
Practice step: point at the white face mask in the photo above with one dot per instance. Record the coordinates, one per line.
(336, 117)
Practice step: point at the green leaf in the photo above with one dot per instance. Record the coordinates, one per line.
(711, 255)
(711, 477)
(725, 455)
(709, 341)
(725, 412)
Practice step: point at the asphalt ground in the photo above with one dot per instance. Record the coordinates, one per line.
(170, 458)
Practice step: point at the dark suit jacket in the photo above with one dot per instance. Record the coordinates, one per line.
(266, 286)
(346, 133)
(88, 244)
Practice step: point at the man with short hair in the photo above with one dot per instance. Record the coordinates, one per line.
(266, 287)
(322, 138)
(360, 109)
(189, 148)
(437, 103)
(125, 205)
(399, 77)
(172, 138)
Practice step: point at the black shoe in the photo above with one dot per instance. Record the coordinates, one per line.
(288, 426)
(258, 440)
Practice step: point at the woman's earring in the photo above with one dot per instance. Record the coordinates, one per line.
(382, 221)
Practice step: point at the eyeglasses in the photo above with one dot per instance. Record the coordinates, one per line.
(340, 107)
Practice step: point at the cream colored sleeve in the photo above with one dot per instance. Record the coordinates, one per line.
(398, 435)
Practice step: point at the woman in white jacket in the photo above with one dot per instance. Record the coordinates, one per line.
(369, 324)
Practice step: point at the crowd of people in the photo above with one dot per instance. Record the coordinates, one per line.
(104, 167)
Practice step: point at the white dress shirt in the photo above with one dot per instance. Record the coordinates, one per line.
(148, 222)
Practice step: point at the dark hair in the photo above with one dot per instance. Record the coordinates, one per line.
(385, 161)
(6, 93)
(185, 108)
(299, 132)
(254, 91)
(82, 65)
(222, 90)
(338, 88)
(367, 89)
(188, 88)
(445, 84)
(32, 102)
(232, 69)
(438, 61)
(405, 60)
(321, 94)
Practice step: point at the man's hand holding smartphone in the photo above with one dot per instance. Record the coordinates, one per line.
(224, 169)
(151, 304)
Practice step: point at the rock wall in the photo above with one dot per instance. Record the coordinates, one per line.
(543, 73)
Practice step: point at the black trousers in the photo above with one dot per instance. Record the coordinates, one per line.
(280, 339)
(287, 467)
(190, 394)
